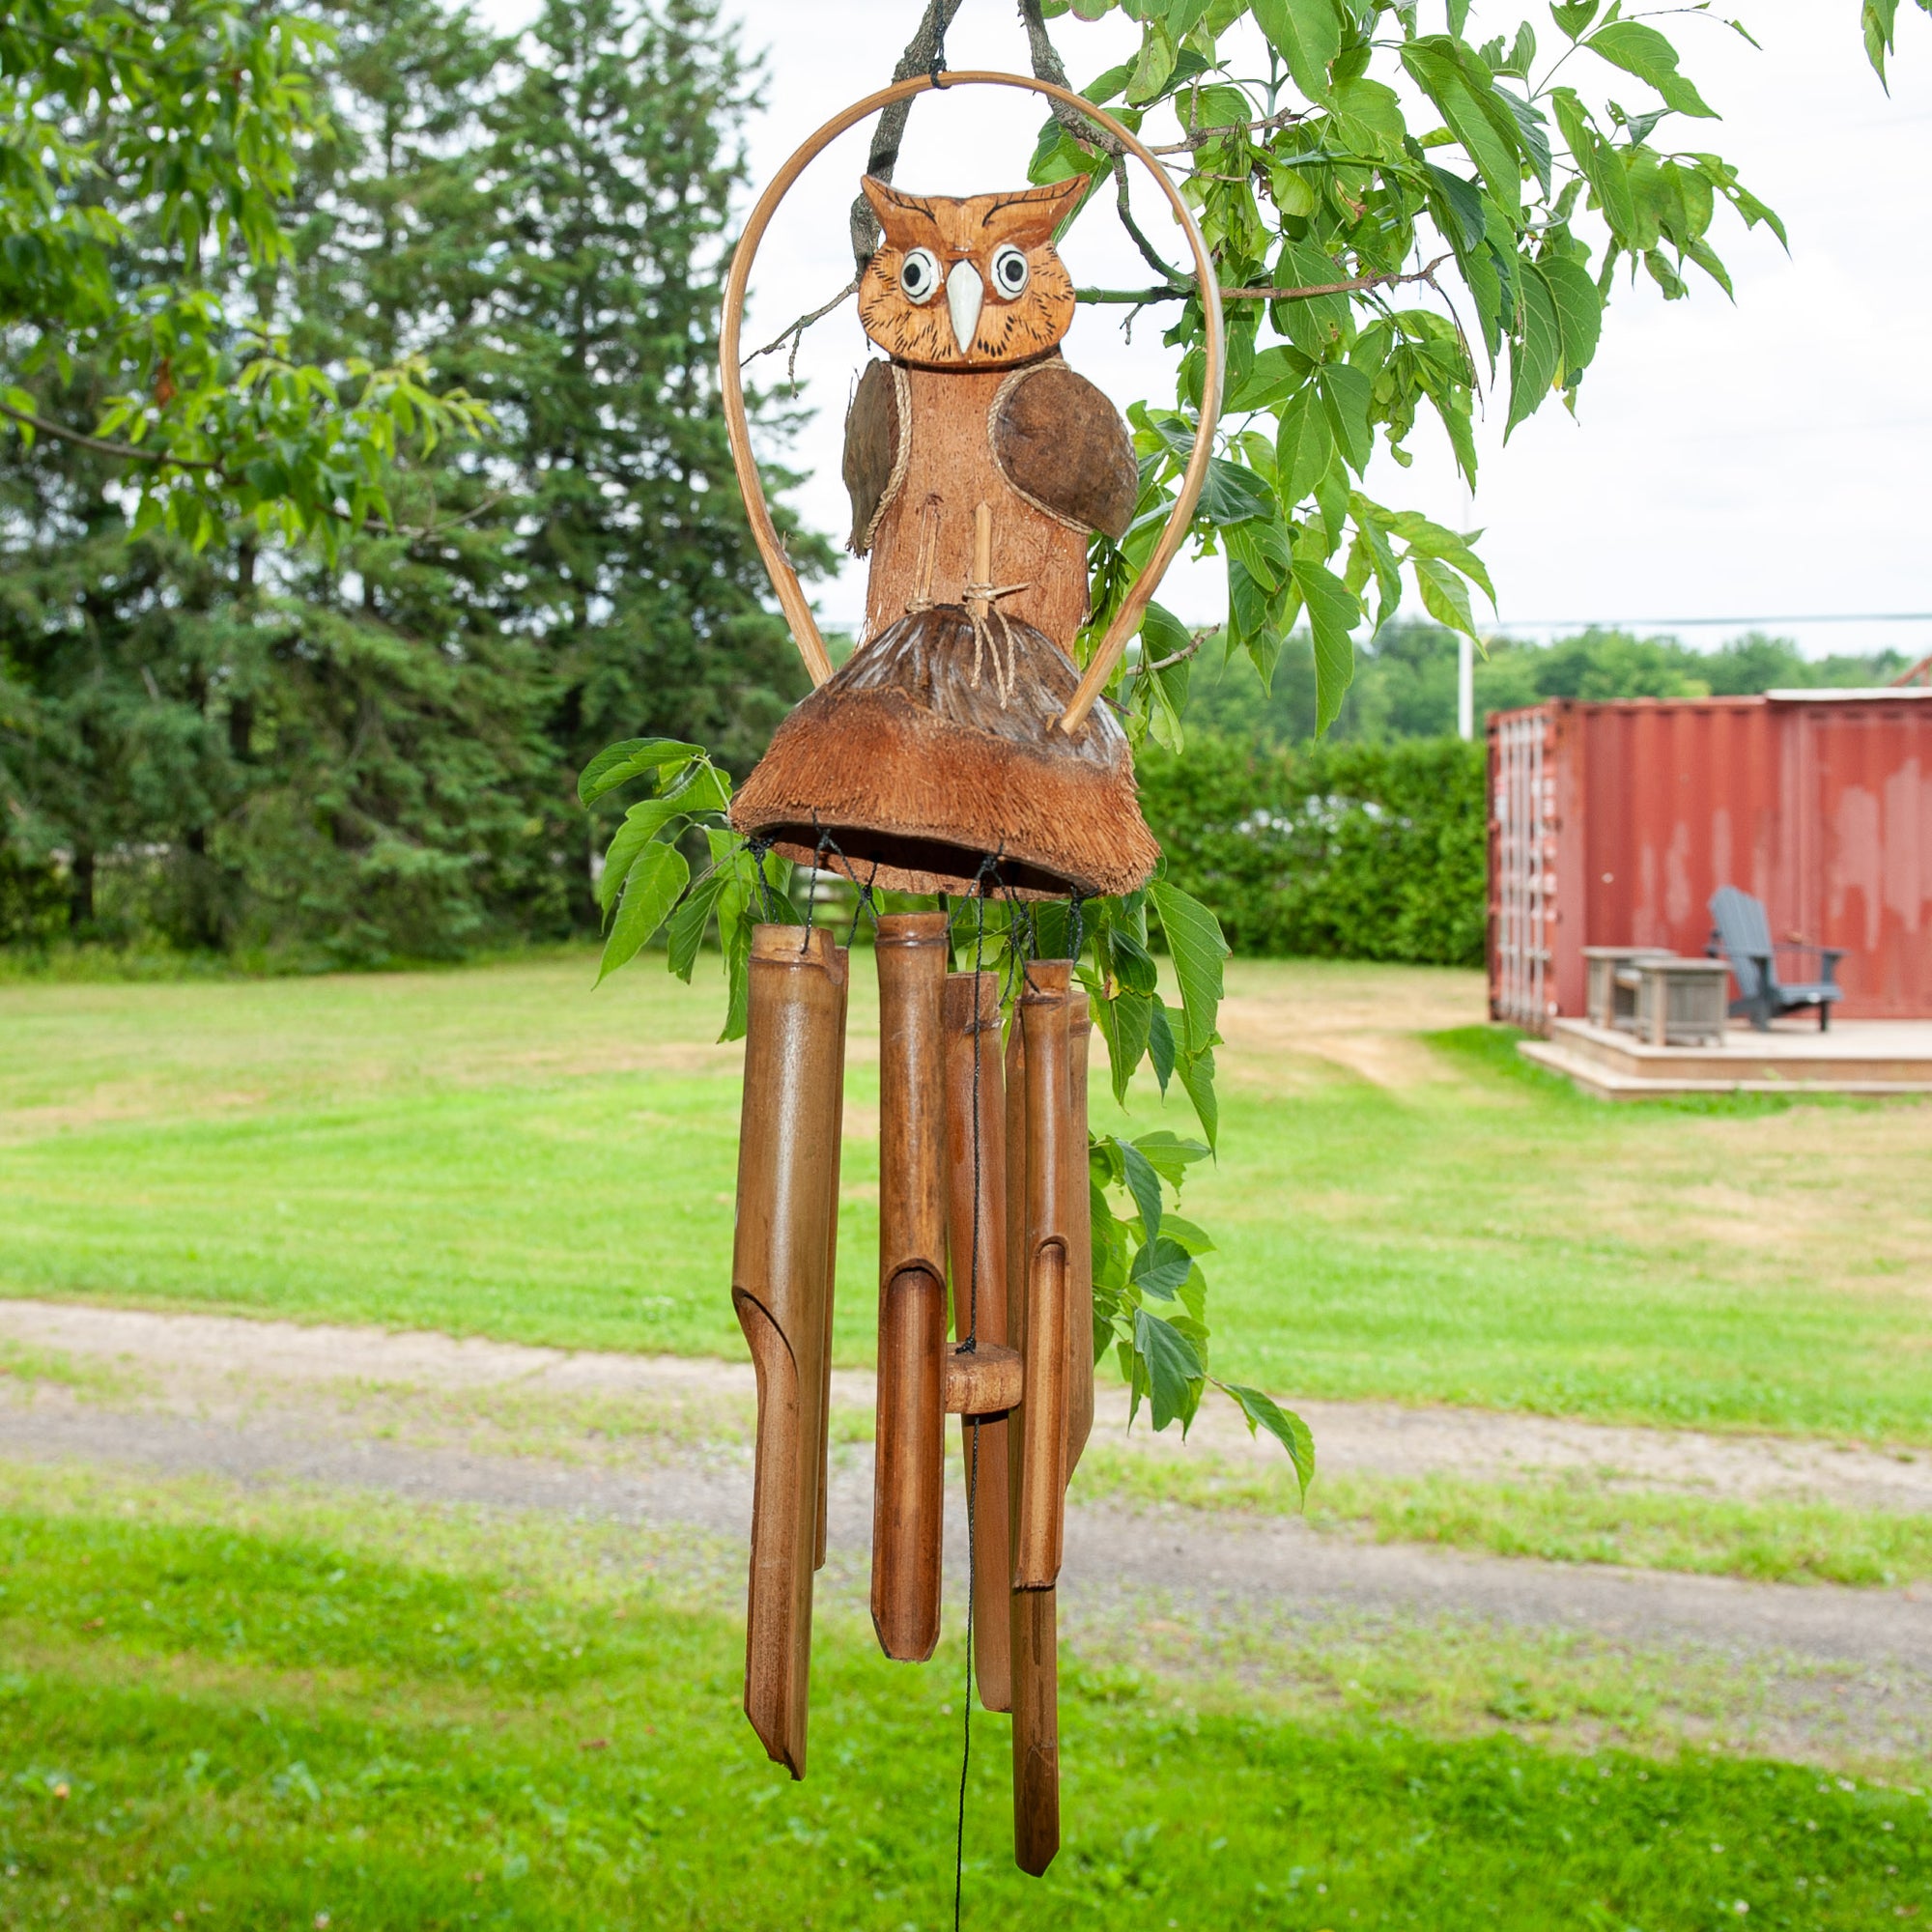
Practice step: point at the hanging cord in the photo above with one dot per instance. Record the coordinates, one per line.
(1077, 929)
(811, 894)
(982, 608)
(759, 848)
(939, 50)
(864, 902)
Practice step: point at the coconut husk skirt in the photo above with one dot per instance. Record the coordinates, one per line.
(932, 761)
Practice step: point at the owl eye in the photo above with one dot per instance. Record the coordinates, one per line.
(1010, 273)
(919, 274)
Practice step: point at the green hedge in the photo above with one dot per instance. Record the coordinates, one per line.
(1347, 851)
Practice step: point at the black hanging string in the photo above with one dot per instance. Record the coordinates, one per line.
(939, 47)
(864, 902)
(1076, 931)
(812, 891)
(757, 848)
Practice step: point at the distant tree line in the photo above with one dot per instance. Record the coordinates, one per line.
(366, 752)
(1404, 684)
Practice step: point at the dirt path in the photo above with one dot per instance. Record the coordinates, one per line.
(663, 1443)
(222, 1366)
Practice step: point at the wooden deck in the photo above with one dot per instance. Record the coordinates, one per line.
(1869, 1056)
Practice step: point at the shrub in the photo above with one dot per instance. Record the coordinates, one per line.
(1347, 851)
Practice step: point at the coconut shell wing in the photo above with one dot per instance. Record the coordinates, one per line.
(1061, 444)
(875, 442)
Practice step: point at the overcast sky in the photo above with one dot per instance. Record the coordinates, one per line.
(1763, 460)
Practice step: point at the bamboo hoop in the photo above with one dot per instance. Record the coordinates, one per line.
(784, 579)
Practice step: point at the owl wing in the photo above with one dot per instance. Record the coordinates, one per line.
(1061, 444)
(875, 449)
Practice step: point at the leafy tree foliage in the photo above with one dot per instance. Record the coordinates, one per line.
(147, 149)
(364, 748)
(1400, 218)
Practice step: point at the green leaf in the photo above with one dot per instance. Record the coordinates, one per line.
(641, 824)
(659, 875)
(1536, 355)
(1428, 539)
(1261, 549)
(1197, 1079)
(1144, 1185)
(1172, 1369)
(1444, 595)
(631, 759)
(1580, 313)
(1160, 1044)
(1333, 612)
(1197, 948)
(1191, 1235)
(1307, 34)
(1571, 18)
(685, 935)
(1644, 53)
(1231, 493)
(1126, 1020)
(1134, 965)
(1160, 1268)
(1284, 1425)
(1346, 396)
(1435, 66)
(1274, 371)
(1169, 1154)
(1305, 446)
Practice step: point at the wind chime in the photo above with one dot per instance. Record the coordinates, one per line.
(956, 752)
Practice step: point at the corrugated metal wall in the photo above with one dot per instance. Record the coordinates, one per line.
(1820, 807)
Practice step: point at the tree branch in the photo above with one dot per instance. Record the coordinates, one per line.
(128, 452)
(1150, 254)
(1172, 657)
(1200, 138)
(1136, 298)
(1048, 66)
(921, 53)
(795, 332)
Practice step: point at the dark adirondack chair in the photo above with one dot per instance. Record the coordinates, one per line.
(1740, 934)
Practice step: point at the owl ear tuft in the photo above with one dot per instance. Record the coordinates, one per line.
(1031, 218)
(897, 211)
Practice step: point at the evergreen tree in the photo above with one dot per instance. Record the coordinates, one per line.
(612, 165)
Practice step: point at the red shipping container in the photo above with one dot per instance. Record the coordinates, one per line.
(1613, 824)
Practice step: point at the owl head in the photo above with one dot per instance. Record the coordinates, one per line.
(968, 284)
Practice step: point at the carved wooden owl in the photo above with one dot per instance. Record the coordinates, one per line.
(980, 466)
(970, 299)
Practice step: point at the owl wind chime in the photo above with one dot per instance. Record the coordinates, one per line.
(956, 752)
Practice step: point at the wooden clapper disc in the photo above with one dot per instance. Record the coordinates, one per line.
(958, 751)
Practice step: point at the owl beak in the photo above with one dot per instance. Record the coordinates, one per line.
(965, 297)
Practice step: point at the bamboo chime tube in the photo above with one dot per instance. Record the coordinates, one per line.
(975, 1171)
(1041, 1421)
(1033, 1619)
(909, 1465)
(1079, 1216)
(782, 1289)
(824, 1451)
(1031, 1614)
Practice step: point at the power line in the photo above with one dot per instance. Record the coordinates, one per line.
(1683, 623)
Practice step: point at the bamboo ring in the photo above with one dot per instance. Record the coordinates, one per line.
(784, 579)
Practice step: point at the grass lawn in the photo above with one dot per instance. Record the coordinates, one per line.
(228, 1709)
(1403, 1210)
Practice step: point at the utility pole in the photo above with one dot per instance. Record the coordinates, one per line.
(1465, 687)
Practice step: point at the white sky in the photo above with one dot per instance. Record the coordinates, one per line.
(1768, 459)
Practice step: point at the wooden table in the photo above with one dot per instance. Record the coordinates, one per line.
(1681, 1002)
(1610, 1000)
